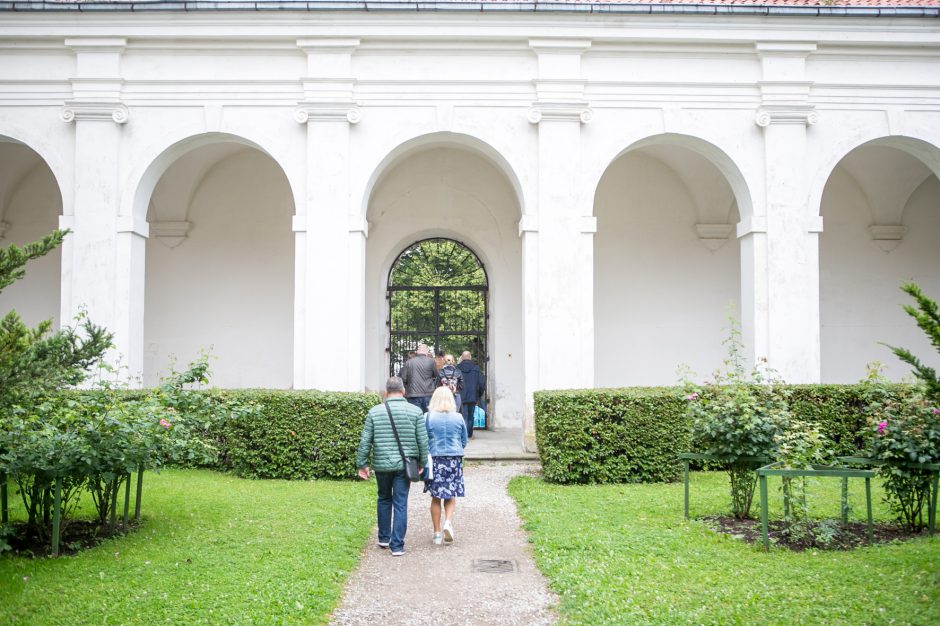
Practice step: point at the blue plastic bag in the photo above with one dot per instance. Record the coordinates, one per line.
(479, 417)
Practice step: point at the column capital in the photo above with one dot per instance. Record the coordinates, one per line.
(75, 110)
(560, 112)
(528, 224)
(347, 112)
(752, 224)
(803, 114)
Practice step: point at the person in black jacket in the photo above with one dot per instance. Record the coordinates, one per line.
(473, 387)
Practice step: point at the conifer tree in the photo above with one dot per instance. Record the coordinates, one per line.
(928, 319)
(36, 361)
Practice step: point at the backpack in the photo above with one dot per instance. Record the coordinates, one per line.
(448, 378)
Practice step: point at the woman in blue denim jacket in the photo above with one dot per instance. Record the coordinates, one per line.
(447, 437)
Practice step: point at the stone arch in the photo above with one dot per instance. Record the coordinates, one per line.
(667, 264)
(445, 139)
(878, 197)
(31, 204)
(225, 207)
(454, 187)
(717, 156)
(49, 151)
(923, 150)
(150, 168)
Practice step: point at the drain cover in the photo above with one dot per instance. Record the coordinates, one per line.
(493, 566)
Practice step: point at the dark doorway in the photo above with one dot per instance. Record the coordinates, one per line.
(437, 294)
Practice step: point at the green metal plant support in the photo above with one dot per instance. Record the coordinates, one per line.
(932, 468)
(4, 510)
(127, 498)
(140, 486)
(686, 457)
(776, 469)
(56, 516)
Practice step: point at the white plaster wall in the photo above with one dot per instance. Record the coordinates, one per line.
(860, 299)
(661, 298)
(452, 193)
(229, 286)
(30, 203)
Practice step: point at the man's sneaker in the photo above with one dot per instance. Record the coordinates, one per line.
(438, 538)
(383, 544)
(398, 553)
(448, 532)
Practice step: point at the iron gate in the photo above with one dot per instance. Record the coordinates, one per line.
(437, 295)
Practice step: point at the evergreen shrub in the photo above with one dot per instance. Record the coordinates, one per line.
(634, 434)
(611, 435)
(290, 434)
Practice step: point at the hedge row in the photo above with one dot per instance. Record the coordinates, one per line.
(292, 434)
(275, 433)
(633, 435)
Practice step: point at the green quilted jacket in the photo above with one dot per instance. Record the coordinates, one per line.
(378, 441)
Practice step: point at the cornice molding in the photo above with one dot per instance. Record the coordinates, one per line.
(95, 112)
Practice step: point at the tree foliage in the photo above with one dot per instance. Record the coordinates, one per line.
(34, 362)
(927, 316)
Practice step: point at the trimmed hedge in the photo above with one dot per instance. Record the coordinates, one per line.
(277, 433)
(293, 434)
(633, 435)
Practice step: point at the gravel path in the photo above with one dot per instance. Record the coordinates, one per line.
(439, 582)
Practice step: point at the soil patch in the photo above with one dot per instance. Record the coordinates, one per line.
(78, 535)
(821, 534)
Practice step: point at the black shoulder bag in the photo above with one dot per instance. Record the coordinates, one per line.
(411, 465)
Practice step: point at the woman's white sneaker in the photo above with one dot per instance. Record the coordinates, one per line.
(448, 532)
(437, 539)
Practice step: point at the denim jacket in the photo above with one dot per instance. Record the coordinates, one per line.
(447, 434)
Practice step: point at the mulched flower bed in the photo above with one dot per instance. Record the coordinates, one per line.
(79, 535)
(822, 535)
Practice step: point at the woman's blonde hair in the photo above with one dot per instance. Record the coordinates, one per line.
(449, 359)
(442, 401)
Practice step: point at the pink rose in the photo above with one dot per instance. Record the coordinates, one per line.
(935, 410)
(165, 424)
(881, 426)
(692, 397)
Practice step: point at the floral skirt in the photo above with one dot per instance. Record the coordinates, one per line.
(448, 477)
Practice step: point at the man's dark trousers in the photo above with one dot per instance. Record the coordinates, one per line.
(421, 402)
(393, 494)
(467, 409)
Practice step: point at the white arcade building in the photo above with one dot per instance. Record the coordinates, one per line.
(245, 176)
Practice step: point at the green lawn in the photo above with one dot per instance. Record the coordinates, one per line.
(213, 549)
(623, 554)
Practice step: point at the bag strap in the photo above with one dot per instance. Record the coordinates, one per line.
(395, 432)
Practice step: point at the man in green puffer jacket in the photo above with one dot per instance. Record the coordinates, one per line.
(378, 441)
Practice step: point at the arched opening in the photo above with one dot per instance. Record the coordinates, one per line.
(880, 211)
(30, 206)
(437, 295)
(220, 263)
(449, 191)
(666, 265)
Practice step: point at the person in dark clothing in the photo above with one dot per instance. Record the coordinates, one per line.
(420, 377)
(451, 377)
(473, 387)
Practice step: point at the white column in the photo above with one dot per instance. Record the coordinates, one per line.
(103, 263)
(558, 245)
(329, 281)
(780, 248)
